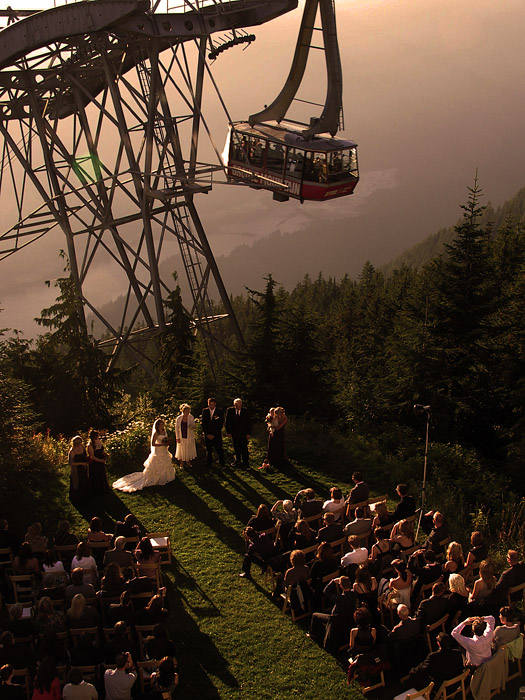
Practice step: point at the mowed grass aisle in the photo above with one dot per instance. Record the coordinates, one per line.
(232, 640)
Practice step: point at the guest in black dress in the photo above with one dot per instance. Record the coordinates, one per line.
(276, 454)
(98, 480)
(79, 478)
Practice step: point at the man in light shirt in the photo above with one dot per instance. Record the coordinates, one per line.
(118, 682)
(357, 554)
(478, 647)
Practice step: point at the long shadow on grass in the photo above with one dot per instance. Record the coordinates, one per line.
(185, 499)
(290, 471)
(109, 509)
(253, 496)
(197, 655)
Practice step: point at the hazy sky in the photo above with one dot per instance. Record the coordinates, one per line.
(432, 91)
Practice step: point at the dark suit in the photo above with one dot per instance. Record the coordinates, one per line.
(309, 508)
(330, 533)
(213, 426)
(239, 427)
(514, 576)
(337, 624)
(359, 493)
(439, 666)
(432, 609)
(404, 509)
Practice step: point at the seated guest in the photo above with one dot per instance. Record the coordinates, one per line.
(120, 643)
(287, 514)
(81, 615)
(64, 537)
(441, 665)
(129, 527)
(122, 611)
(401, 583)
(303, 535)
(50, 589)
(513, 576)
(298, 571)
(263, 520)
(18, 625)
(365, 588)
(458, 598)
(407, 628)
(159, 645)
(478, 550)
(83, 560)
(306, 502)
(95, 532)
(77, 688)
(118, 682)
(508, 631)
(112, 584)
(16, 654)
(145, 554)
(485, 584)
(47, 684)
(380, 515)
(363, 637)
(8, 689)
(360, 525)
(424, 566)
(360, 492)
(332, 629)
(331, 531)
(335, 504)
(406, 505)
(51, 645)
(325, 563)
(119, 554)
(53, 565)
(478, 647)
(381, 554)
(357, 554)
(86, 652)
(402, 535)
(438, 532)
(25, 562)
(165, 679)
(35, 538)
(434, 608)
(153, 612)
(48, 618)
(455, 561)
(259, 548)
(138, 584)
(77, 585)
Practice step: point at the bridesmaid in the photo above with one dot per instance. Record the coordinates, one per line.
(79, 477)
(98, 480)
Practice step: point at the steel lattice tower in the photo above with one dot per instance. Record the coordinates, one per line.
(100, 113)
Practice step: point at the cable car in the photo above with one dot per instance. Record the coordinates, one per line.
(277, 157)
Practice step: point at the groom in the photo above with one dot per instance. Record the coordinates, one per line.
(212, 421)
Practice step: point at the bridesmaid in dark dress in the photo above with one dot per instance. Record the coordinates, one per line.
(276, 454)
(79, 479)
(98, 480)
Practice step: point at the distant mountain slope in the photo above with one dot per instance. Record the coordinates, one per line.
(341, 248)
(433, 245)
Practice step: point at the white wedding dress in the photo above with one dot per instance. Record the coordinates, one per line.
(158, 470)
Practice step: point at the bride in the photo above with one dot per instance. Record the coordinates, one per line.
(158, 468)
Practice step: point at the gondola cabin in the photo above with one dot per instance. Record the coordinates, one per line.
(278, 158)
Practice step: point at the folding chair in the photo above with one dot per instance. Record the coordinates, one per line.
(66, 552)
(23, 587)
(459, 681)
(413, 694)
(160, 541)
(314, 520)
(6, 559)
(145, 669)
(286, 597)
(26, 679)
(379, 684)
(150, 570)
(79, 631)
(517, 673)
(516, 589)
(143, 632)
(431, 628)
